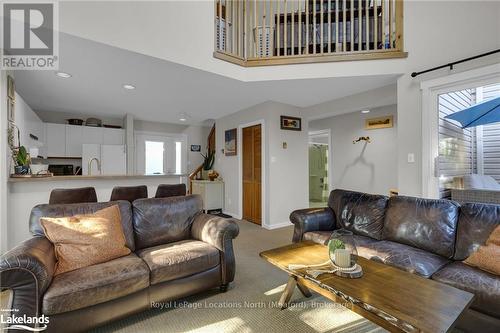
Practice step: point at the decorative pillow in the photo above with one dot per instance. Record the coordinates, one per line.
(486, 256)
(85, 240)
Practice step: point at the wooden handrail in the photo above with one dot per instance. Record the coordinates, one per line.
(197, 173)
(317, 31)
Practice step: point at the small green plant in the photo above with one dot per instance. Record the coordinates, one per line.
(208, 160)
(21, 156)
(335, 244)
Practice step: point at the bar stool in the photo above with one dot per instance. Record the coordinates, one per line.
(72, 195)
(170, 190)
(129, 193)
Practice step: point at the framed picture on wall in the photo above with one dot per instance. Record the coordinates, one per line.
(290, 123)
(11, 115)
(11, 90)
(380, 122)
(230, 142)
(196, 148)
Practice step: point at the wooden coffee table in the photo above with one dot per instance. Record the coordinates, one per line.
(394, 299)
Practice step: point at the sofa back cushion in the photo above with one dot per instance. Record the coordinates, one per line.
(361, 213)
(427, 224)
(164, 220)
(67, 210)
(475, 224)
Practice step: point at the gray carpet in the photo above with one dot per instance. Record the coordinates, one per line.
(249, 305)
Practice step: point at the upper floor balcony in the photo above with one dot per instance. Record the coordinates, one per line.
(277, 32)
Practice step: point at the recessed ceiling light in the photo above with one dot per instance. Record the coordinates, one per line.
(365, 111)
(128, 86)
(183, 117)
(63, 75)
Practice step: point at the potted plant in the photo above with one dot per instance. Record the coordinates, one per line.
(22, 161)
(208, 163)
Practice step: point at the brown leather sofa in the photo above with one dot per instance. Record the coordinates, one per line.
(427, 237)
(176, 251)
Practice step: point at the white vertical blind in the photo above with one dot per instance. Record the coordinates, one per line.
(491, 138)
(455, 143)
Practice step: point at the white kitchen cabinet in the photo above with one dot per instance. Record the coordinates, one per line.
(74, 136)
(55, 135)
(92, 135)
(211, 192)
(113, 136)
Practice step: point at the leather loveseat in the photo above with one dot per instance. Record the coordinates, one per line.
(427, 237)
(176, 251)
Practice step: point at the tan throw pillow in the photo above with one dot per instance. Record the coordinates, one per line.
(85, 240)
(486, 256)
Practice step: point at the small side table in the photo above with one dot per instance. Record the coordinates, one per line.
(212, 194)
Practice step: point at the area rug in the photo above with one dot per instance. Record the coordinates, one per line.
(250, 305)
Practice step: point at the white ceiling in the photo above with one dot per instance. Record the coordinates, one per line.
(164, 89)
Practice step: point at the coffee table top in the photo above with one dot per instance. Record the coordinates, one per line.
(392, 298)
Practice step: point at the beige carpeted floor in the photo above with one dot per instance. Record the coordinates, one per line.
(249, 305)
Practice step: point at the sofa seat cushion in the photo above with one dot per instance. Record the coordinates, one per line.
(179, 259)
(95, 284)
(402, 256)
(320, 237)
(485, 286)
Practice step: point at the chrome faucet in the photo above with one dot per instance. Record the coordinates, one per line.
(90, 166)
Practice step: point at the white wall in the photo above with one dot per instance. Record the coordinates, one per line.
(366, 167)
(436, 33)
(286, 181)
(4, 156)
(28, 123)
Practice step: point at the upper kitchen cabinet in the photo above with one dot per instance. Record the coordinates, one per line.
(74, 139)
(55, 135)
(113, 136)
(92, 134)
(67, 140)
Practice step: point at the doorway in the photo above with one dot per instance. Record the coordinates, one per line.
(252, 173)
(319, 162)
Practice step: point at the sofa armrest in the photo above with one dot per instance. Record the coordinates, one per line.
(311, 219)
(219, 232)
(27, 271)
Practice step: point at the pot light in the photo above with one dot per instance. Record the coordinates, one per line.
(63, 75)
(183, 117)
(128, 86)
(365, 111)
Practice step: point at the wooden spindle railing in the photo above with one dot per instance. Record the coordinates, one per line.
(271, 32)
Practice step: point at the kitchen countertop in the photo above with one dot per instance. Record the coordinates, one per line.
(93, 177)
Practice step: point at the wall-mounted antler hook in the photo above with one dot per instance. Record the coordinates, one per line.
(362, 138)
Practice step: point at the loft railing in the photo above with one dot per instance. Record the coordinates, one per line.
(272, 32)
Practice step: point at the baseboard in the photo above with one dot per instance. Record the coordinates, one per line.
(236, 216)
(277, 225)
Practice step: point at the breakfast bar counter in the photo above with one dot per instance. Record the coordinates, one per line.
(25, 193)
(94, 177)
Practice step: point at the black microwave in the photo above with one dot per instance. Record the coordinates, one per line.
(61, 169)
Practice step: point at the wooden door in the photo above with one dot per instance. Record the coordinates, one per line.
(252, 174)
